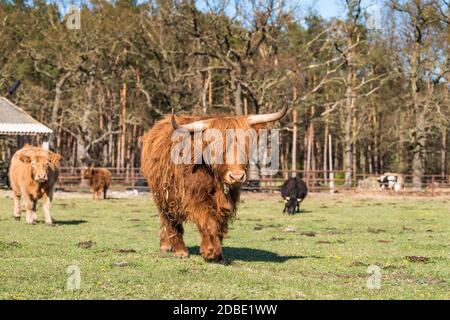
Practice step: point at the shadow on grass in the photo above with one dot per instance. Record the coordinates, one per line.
(69, 222)
(252, 255)
(302, 211)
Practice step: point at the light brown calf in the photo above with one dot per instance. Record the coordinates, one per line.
(99, 180)
(33, 173)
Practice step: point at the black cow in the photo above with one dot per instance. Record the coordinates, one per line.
(293, 191)
(384, 182)
(388, 181)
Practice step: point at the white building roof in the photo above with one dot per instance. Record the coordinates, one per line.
(15, 121)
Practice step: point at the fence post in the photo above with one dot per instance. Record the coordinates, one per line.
(330, 158)
(294, 143)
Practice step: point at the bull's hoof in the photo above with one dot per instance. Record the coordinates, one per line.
(49, 224)
(181, 254)
(17, 218)
(215, 259)
(221, 260)
(31, 223)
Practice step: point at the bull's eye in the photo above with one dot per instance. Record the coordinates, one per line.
(33, 164)
(287, 198)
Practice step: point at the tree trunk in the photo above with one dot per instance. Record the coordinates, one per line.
(123, 119)
(305, 146)
(57, 100)
(294, 142)
(210, 91)
(354, 152)
(310, 150)
(418, 151)
(348, 125)
(418, 142)
(237, 89)
(83, 157)
(350, 83)
(376, 157)
(443, 151)
(369, 158)
(206, 92)
(348, 145)
(325, 149)
(444, 139)
(56, 105)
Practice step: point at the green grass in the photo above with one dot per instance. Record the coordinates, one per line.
(350, 234)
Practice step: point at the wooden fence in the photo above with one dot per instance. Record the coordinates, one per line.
(317, 181)
(70, 179)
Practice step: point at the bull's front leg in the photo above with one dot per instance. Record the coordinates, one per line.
(16, 212)
(212, 236)
(30, 207)
(171, 237)
(164, 241)
(94, 194)
(48, 198)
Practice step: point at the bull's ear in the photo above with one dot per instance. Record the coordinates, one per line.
(25, 159)
(55, 157)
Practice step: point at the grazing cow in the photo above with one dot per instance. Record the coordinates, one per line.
(33, 173)
(205, 194)
(99, 180)
(293, 191)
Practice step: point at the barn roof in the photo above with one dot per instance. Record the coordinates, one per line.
(15, 121)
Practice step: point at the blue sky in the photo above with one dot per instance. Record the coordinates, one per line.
(326, 8)
(335, 8)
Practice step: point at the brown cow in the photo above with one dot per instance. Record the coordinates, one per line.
(205, 194)
(33, 173)
(99, 180)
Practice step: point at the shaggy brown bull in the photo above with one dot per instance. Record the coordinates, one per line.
(33, 173)
(99, 180)
(205, 194)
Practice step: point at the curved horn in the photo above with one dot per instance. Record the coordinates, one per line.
(264, 118)
(195, 126)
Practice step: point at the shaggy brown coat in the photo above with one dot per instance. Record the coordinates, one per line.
(99, 181)
(33, 173)
(193, 192)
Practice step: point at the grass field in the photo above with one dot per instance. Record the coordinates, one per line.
(323, 253)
